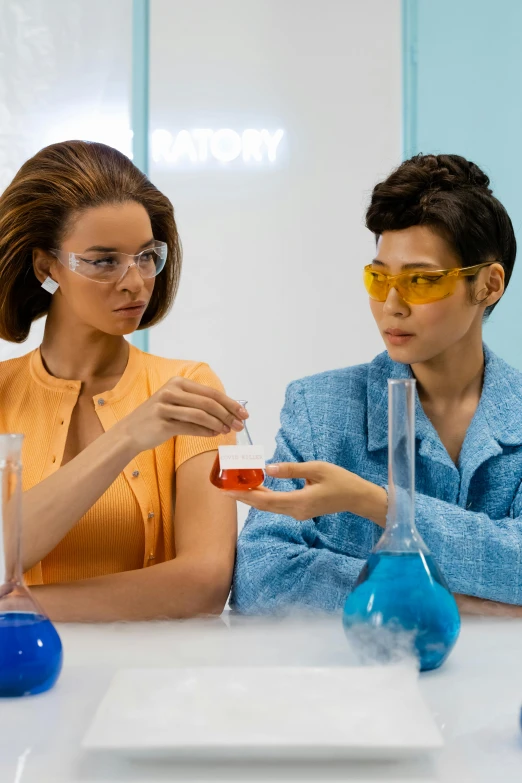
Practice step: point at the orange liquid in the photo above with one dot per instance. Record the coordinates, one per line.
(244, 478)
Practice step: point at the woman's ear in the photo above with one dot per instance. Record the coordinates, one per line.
(494, 284)
(43, 264)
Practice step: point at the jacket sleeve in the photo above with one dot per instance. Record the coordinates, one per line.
(278, 563)
(478, 556)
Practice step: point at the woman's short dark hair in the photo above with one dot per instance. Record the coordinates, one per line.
(36, 209)
(452, 196)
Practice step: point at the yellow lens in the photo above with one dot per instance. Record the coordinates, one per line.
(426, 287)
(376, 284)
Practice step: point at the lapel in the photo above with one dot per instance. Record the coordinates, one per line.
(497, 421)
(379, 371)
(430, 445)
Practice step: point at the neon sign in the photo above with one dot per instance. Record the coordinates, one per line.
(223, 145)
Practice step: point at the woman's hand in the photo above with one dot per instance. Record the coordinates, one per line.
(329, 489)
(181, 407)
(468, 604)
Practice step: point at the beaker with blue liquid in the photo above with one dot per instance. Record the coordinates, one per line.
(401, 593)
(30, 648)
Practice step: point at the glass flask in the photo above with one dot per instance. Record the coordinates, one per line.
(401, 589)
(30, 648)
(239, 478)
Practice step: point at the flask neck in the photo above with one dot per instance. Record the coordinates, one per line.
(243, 437)
(10, 509)
(401, 534)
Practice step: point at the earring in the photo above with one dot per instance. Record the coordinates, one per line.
(481, 301)
(50, 285)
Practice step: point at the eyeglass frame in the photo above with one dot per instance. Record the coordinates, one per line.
(458, 271)
(73, 258)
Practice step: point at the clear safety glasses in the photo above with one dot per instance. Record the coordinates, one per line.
(109, 267)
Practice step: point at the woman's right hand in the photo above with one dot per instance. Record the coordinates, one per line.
(181, 407)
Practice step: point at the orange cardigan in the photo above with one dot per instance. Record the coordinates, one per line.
(131, 525)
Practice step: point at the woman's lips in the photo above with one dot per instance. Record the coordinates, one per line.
(396, 337)
(132, 311)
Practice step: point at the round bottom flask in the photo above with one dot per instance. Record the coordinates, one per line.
(30, 648)
(401, 601)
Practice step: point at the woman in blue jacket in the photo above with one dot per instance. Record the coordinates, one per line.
(445, 254)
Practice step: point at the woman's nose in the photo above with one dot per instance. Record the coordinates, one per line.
(131, 279)
(395, 305)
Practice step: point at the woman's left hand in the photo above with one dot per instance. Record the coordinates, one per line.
(469, 604)
(329, 489)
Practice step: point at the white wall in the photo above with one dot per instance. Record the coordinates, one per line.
(271, 287)
(65, 68)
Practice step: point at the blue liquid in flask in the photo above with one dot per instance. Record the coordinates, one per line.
(30, 654)
(407, 591)
(30, 648)
(401, 598)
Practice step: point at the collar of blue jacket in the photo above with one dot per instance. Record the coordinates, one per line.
(497, 421)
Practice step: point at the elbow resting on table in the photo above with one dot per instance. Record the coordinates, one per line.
(209, 586)
(214, 598)
(265, 590)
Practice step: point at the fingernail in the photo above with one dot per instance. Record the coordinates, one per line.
(243, 412)
(226, 429)
(273, 470)
(237, 425)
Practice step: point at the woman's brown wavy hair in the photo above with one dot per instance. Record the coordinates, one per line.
(36, 210)
(452, 196)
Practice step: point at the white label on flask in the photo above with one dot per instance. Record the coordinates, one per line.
(237, 457)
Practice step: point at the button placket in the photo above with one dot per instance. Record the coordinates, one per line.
(150, 536)
(136, 482)
(60, 431)
(144, 499)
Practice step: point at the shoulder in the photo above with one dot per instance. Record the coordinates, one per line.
(161, 369)
(499, 370)
(327, 403)
(333, 388)
(17, 393)
(329, 409)
(12, 370)
(501, 399)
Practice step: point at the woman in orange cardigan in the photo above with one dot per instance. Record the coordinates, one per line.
(120, 521)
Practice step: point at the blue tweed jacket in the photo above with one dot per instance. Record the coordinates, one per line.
(470, 514)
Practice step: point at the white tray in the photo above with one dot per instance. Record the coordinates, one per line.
(269, 713)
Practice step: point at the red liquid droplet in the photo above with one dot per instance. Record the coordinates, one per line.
(244, 478)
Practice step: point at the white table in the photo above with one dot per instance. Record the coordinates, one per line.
(475, 698)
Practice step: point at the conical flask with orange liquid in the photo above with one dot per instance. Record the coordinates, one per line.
(241, 466)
